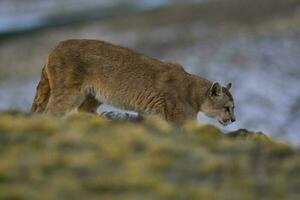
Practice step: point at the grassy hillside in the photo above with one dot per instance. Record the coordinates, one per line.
(85, 157)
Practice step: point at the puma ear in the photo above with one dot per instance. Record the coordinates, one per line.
(215, 90)
(229, 85)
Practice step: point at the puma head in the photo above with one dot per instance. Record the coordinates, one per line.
(219, 104)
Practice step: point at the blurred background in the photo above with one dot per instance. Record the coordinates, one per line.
(255, 44)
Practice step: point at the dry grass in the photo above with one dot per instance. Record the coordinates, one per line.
(85, 157)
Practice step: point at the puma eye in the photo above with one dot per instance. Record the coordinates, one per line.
(227, 109)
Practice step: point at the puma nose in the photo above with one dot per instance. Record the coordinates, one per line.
(233, 119)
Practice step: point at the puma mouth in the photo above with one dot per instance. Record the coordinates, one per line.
(223, 123)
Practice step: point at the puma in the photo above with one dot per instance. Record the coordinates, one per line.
(83, 74)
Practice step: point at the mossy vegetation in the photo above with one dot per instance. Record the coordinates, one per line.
(87, 157)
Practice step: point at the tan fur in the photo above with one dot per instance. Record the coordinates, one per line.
(83, 74)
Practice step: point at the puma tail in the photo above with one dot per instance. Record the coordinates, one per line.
(42, 94)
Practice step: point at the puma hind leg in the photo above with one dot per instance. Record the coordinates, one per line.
(63, 102)
(89, 105)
